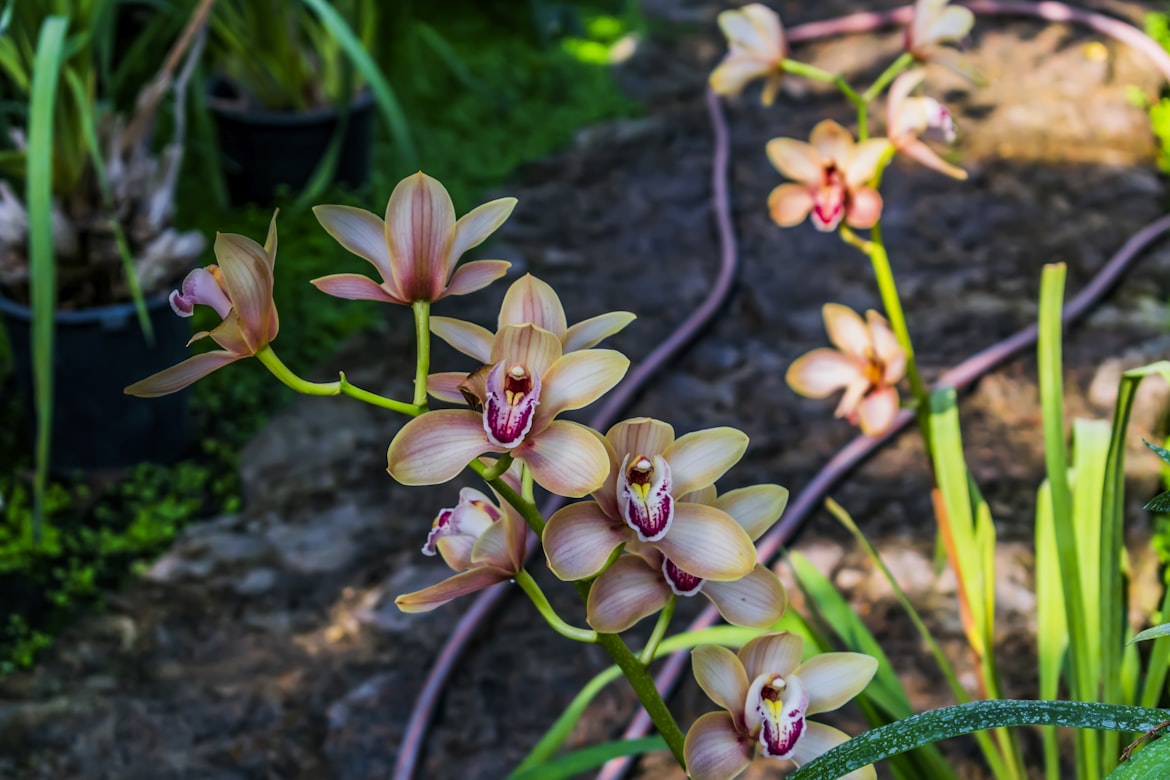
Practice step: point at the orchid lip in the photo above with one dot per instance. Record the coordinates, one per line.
(644, 498)
(681, 583)
(781, 705)
(442, 522)
(509, 407)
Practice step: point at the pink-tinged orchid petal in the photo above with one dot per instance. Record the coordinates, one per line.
(420, 222)
(476, 225)
(445, 386)
(354, 287)
(475, 275)
(756, 508)
(790, 204)
(495, 547)
(936, 22)
(877, 412)
(640, 436)
(624, 594)
(200, 287)
(736, 72)
(706, 542)
(468, 338)
(714, 750)
(846, 329)
(754, 27)
(451, 588)
(832, 679)
(247, 279)
(781, 705)
(704, 495)
(644, 496)
(772, 654)
(606, 495)
(832, 142)
(900, 90)
(702, 457)
(886, 347)
(819, 739)
(927, 156)
(851, 399)
(361, 232)
(579, 539)
(173, 379)
(436, 446)
(720, 674)
(863, 161)
(509, 407)
(797, 160)
(454, 550)
(578, 379)
(757, 47)
(757, 600)
(528, 345)
(532, 300)
(590, 332)
(566, 458)
(865, 208)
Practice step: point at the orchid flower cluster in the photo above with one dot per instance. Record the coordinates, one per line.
(648, 523)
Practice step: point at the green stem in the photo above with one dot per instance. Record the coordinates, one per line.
(647, 654)
(529, 586)
(492, 473)
(816, 74)
(422, 331)
(897, 66)
(643, 684)
(340, 387)
(527, 509)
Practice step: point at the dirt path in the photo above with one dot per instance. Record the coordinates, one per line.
(266, 644)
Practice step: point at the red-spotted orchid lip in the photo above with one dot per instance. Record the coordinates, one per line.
(513, 393)
(473, 515)
(781, 704)
(681, 583)
(644, 498)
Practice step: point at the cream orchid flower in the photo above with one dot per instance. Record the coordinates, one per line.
(910, 117)
(766, 694)
(757, 48)
(482, 541)
(831, 176)
(937, 22)
(657, 501)
(529, 383)
(416, 247)
(239, 288)
(528, 300)
(867, 364)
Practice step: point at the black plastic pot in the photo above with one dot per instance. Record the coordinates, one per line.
(97, 353)
(263, 150)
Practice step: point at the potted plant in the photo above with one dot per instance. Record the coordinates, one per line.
(87, 236)
(293, 94)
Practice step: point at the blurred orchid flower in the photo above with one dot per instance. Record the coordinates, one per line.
(908, 118)
(767, 693)
(757, 49)
(641, 583)
(416, 247)
(528, 384)
(528, 300)
(648, 503)
(937, 22)
(867, 364)
(239, 288)
(480, 539)
(831, 178)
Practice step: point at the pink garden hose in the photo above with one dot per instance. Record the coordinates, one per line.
(857, 450)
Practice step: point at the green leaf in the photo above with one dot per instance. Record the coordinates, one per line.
(42, 259)
(948, 722)
(589, 758)
(1151, 633)
(1153, 760)
(1159, 503)
(1163, 453)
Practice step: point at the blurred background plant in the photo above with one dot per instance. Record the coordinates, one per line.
(513, 81)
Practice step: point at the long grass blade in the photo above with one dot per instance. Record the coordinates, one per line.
(575, 763)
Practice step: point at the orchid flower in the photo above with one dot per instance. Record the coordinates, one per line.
(528, 384)
(767, 694)
(528, 300)
(641, 583)
(647, 504)
(831, 178)
(482, 541)
(937, 22)
(757, 48)
(239, 288)
(867, 364)
(416, 247)
(910, 117)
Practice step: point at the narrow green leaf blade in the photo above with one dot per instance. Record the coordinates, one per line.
(580, 761)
